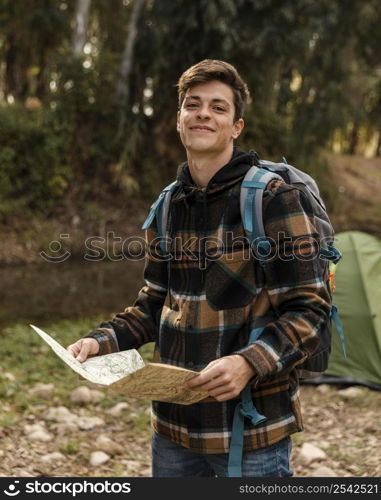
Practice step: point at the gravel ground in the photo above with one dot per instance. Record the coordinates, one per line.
(346, 426)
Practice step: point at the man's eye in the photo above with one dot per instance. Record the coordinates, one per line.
(191, 105)
(219, 108)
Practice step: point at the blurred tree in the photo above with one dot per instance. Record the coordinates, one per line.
(122, 87)
(101, 77)
(31, 34)
(82, 13)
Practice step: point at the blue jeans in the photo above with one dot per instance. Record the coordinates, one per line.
(173, 460)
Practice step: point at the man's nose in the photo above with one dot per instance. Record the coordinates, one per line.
(203, 111)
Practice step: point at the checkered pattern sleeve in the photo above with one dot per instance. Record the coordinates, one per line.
(295, 279)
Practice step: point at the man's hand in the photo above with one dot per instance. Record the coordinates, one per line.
(223, 378)
(83, 349)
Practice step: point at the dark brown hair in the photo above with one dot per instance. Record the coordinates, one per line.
(213, 69)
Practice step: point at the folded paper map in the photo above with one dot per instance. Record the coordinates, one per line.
(126, 372)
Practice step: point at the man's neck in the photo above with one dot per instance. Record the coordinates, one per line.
(203, 167)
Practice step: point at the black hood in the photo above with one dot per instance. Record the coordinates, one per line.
(227, 175)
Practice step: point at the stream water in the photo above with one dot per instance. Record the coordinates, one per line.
(46, 292)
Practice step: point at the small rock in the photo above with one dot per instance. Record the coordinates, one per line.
(40, 436)
(37, 432)
(33, 428)
(59, 414)
(2, 453)
(98, 458)
(323, 471)
(107, 445)
(9, 376)
(96, 396)
(54, 457)
(323, 388)
(132, 466)
(43, 391)
(118, 409)
(310, 453)
(324, 445)
(87, 423)
(351, 393)
(81, 395)
(24, 473)
(63, 428)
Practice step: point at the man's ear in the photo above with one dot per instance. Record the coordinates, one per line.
(237, 128)
(178, 122)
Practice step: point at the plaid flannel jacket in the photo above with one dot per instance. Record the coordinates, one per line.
(201, 303)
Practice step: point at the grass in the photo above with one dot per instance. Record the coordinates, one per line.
(8, 420)
(27, 360)
(69, 447)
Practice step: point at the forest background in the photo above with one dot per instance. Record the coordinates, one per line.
(88, 104)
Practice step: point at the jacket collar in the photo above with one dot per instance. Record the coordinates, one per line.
(227, 175)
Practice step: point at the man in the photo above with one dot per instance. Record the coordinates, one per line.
(200, 302)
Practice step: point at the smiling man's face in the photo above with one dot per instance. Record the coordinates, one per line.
(206, 119)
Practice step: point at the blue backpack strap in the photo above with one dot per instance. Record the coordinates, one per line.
(331, 253)
(244, 409)
(251, 201)
(160, 209)
(339, 327)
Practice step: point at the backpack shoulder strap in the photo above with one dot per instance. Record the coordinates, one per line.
(160, 209)
(251, 201)
(244, 409)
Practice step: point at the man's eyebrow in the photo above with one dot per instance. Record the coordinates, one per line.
(215, 100)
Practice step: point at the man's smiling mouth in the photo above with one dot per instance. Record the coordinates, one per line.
(201, 128)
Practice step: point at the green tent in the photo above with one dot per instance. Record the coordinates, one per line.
(358, 298)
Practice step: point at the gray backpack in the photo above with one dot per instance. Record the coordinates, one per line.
(251, 204)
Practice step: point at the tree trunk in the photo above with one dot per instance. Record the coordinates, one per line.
(122, 88)
(42, 63)
(353, 140)
(378, 149)
(81, 22)
(10, 62)
(16, 69)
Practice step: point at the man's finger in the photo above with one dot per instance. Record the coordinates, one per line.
(224, 396)
(205, 376)
(84, 352)
(72, 350)
(212, 384)
(198, 381)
